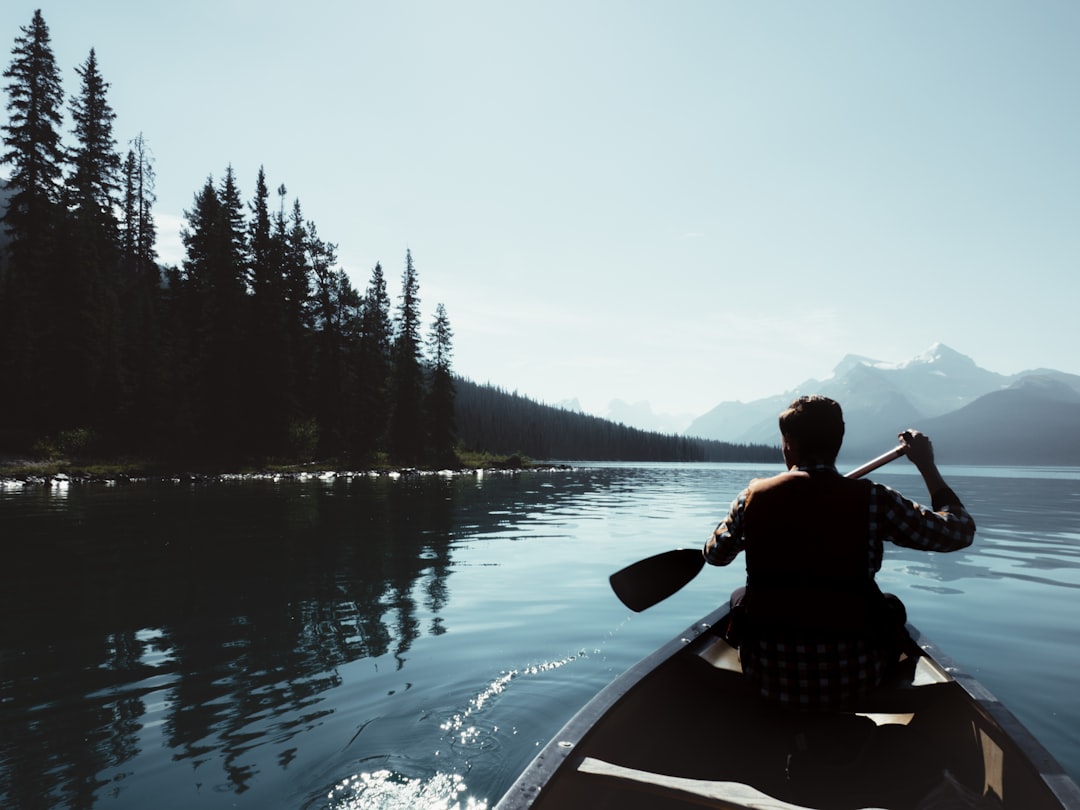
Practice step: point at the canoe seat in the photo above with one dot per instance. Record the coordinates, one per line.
(913, 686)
(948, 793)
(694, 792)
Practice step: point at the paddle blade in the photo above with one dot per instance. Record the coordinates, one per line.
(646, 582)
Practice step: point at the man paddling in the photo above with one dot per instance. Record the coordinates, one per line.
(813, 629)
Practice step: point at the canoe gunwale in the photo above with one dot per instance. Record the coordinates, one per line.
(1051, 771)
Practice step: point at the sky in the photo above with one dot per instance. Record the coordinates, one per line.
(683, 203)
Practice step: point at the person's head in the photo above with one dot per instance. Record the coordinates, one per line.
(812, 429)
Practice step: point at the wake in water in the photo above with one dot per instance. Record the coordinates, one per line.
(385, 789)
(464, 734)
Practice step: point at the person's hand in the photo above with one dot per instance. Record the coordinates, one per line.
(919, 450)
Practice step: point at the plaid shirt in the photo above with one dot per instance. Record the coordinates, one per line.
(823, 675)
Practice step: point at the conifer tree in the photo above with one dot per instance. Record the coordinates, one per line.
(199, 293)
(32, 140)
(140, 294)
(372, 368)
(260, 240)
(90, 258)
(234, 272)
(406, 417)
(229, 369)
(137, 229)
(198, 238)
(334, 305)
(94, 184)
(321, 258)
(33, 150)
(215, 271)
(296, 297)
(442, 429)
(269, 345)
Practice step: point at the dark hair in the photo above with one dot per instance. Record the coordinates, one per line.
(816, 425)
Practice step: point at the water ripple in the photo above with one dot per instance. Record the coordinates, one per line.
(461, 727)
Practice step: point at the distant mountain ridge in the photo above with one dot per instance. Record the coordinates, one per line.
(974, 415)
(493, 420)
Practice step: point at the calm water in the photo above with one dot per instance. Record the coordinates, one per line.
(359, 642)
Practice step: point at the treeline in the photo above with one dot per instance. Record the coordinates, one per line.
(256, 346)
(502, 422)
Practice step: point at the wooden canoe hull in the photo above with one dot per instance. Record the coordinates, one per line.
(680, 729)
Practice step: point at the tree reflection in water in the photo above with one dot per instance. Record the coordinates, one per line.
(215, 615)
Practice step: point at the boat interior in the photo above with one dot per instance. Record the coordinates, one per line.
(691, 735)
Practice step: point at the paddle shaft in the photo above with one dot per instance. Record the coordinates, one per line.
(646, 582)
(880, 461)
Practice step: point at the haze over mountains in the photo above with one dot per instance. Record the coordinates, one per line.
(973, 415)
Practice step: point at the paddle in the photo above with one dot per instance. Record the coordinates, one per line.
(646, 582)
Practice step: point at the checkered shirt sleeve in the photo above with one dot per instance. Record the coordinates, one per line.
(904, 522)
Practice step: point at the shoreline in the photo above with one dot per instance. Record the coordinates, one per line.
(22, 473)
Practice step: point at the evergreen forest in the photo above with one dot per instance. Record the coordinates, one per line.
(256, 347)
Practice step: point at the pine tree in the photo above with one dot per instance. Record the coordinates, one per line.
(198, 238)
(198, 298)
(296, 298)
(137, 229)
(228, 368)
(321, 258)
(442, 429)
(269, 343)
(90, 263)
(234, 272)
(33, 150)
(215, 271)
(372, 368)
(140, 295)
(406, 417)
(261, 272)
(334, 304)
(94, 184)
(32, 141)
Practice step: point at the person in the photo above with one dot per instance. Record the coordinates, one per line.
(814, 631)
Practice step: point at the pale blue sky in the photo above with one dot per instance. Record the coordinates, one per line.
(679, 202)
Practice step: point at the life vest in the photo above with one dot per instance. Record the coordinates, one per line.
(807, 558)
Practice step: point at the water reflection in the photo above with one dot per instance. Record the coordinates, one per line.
(1026, 532)
(255, 642)
(211, 619)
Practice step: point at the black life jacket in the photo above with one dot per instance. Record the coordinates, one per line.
(807, 558)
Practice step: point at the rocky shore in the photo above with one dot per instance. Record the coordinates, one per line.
(63, 480)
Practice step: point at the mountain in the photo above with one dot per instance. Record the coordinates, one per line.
(641, 415)
(939, 391)
(1035, 421)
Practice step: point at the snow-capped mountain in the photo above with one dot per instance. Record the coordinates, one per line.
(970, 407)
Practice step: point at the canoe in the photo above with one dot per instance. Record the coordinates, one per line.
(680, 730)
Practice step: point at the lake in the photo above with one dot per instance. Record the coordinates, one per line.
(375, 642)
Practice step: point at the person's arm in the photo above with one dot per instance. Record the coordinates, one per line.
(920, 452)
(946, 526)
(727, 540)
